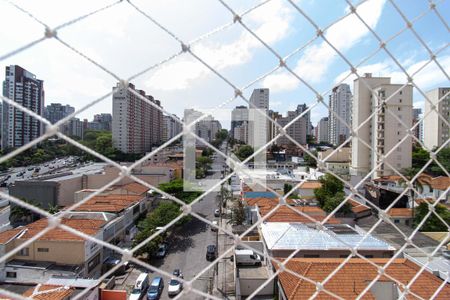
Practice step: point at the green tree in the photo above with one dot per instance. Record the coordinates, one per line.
(238, 213)
(287, 188)
(309, 160)
(22, 215)
(221, 135)
(176, 189)
(244, 152)
(330, 187)
(433, 223)
(334, 201)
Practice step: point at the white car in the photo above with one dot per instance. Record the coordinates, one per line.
(175, 287)
(216, 224)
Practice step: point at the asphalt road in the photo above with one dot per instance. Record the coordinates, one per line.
(187, 250)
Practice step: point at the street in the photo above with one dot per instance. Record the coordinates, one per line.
(187, 246)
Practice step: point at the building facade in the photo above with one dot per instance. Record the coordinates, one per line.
(322, 131)
(56, 111)
(436, 132)
(340, 110)
(258, 127)
(384, 131)
(22, 87)
(136, 125)
(239, 117)
(104, 120)
(418, 130)
(171, 127)
(298, 130)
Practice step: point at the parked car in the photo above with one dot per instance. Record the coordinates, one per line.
(217, 213)
(211, 252)
(177, 273)
(111, 262)
(155, 289)
(175, 287)
(162, 251)
(216, 224)
(247, 257)
(140, 287)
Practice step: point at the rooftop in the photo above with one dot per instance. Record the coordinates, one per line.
(284, 236)
(133, 187)
(86, 226)
(400, 212)
(49, 292)
(310, 185)
(353, 278)
(259, 195)
(113, 203)
(286, 214)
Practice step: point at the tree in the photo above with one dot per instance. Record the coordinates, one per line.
(310, 139)
(22, 215)
(331, 194)
(309, 160)
(334, 201)
(433, 223)
(287, 188)
(244, 152)
(176, 189)
(238, 213)
(221, 135)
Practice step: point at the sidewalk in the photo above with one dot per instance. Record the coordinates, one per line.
(224, 285)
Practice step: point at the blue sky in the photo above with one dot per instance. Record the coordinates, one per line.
(125, 42)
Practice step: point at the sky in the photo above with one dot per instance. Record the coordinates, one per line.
(125, 42)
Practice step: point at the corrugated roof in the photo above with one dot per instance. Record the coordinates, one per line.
(109, 203)
(49, 292)
(295, 236)
(353, 278)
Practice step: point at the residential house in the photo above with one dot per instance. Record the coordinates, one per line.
(350, 281)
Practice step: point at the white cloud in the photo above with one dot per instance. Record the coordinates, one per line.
(271, 24)
(317, 59)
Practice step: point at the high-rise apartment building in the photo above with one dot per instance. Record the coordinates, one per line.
(239, 116)
(136, 124)
(322, 131)
(171, 127)
(384, 131)
(22, 87)
(258, 127)
(207, 128)
(273, 129)
(298, 130)
(436, 132)
(340, 107)
(57, 111)
(307, 116)
(104, 121)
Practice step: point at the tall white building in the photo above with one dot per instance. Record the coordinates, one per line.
(22, 87)
(239, 117)
(322, 130)
(341, 105)
(171, 127)
(383, 131)
(435, 131)
(258, 127)
(137, 125)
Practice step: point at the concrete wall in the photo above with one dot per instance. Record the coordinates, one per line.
(249, 285)
(331, 253)
(66, 190)
(60, 252)
(42, 192)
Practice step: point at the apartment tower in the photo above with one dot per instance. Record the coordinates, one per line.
(136, 124)
(436, 132)
(377, 144)
(22, 87)
(340, 106)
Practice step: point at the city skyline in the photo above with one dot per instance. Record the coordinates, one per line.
(204, 88)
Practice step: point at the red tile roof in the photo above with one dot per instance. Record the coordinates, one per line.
(113, 203)
(440, 183)
(400, 212)
(49, 292)
(133, 187)
(358, 207)
(391, 178)
(310, 185)
(354, 277)
(86, 226)
(286, 214)
(7, 235)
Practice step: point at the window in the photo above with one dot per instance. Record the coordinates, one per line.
(368, 256)
(400, 100)
(396, 221)
(11, 274)
(399, 108)
(311, 256)
(24, 252)
(401, 92)
(42, 249)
